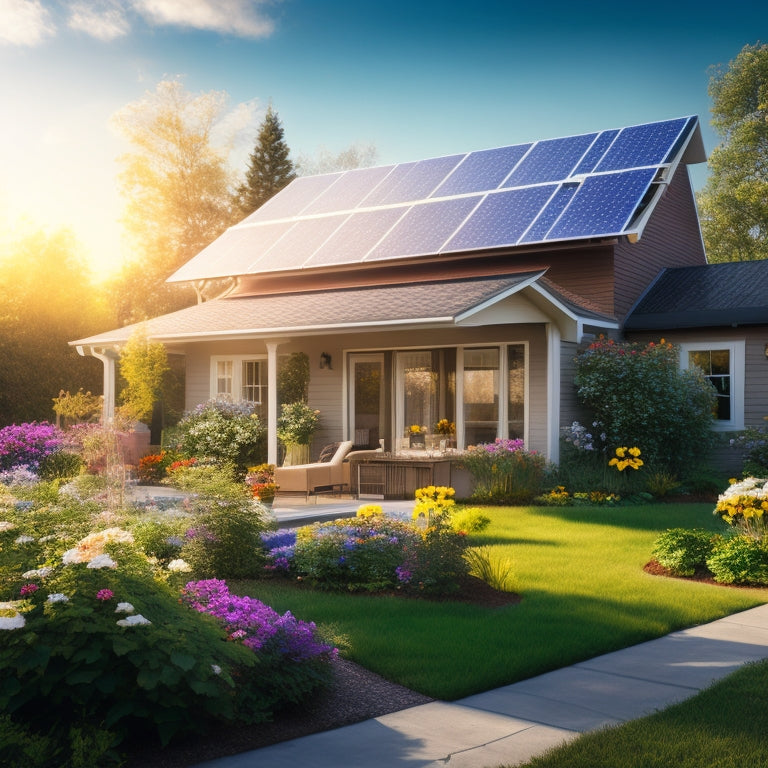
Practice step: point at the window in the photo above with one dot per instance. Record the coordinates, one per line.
(239, 379)
(481, 395)
(723, 365)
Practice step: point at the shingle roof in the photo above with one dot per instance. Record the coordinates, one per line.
(433, 302)
(733, 293)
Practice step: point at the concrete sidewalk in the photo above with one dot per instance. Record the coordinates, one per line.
(510, 725)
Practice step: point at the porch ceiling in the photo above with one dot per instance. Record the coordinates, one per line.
(418, 305)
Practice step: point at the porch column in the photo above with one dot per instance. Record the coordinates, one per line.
(272, 401)
(553, 392)
(108, 358)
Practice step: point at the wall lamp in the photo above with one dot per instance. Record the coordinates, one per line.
(325, 360)
(766, 350)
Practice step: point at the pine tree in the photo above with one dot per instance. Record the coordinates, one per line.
(270, 167)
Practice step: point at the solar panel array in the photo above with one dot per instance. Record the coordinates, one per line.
(587, 186)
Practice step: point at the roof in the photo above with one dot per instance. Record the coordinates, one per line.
(435, 303)
(589, 186)
(728, 294)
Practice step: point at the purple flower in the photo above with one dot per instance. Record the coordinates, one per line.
(29, 589)
(105, 594)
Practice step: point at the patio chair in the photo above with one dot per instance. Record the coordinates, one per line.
(321, 475)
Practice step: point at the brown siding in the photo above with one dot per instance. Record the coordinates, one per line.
(672, 238)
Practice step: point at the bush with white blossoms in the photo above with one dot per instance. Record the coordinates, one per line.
(94, 641)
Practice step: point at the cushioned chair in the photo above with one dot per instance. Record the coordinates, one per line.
(308, 478)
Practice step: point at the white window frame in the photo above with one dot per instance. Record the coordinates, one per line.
(237, 376)
(736, 348)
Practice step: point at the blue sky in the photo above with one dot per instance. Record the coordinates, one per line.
(415, 79)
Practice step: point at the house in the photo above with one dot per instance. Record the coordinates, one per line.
(456, 287)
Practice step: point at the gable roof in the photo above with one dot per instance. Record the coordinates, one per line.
(407, 305)
(590, 186)
(728, 294)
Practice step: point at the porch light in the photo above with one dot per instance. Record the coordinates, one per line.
(325, 360)
(766, 350)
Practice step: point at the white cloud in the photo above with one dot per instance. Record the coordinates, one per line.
(239, 17)
(24, 22)
(104, 20)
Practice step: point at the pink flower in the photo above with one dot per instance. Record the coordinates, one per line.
(29, 589)
(105, 594)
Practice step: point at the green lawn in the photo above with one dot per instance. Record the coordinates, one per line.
(721, 727)
(580, 573)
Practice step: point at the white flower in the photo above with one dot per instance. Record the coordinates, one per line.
(24, 539)
(6, 526)
(102, 561)
(38, 573)
(57, 597)
(15, 621)
(179, 566)
(12, 622)
(133, 621)
(216, 669)
(124, 608)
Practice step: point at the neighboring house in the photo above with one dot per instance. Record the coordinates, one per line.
(718, 315)
(457, 287)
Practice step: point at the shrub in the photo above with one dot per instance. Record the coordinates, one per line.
(739, 560)
(161, 539)
(486, 564)
(224, 432)
(639, 396)
(361, 554)
(297, 423)
(28, 444)
(661, 484)
(504, 472)
(61, 465)
(753, 442)
(683, 551)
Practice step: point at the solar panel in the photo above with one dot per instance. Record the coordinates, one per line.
(501, 218)
(291, 200)
(356, 236)
(349, 191)
(482, 171)
(603, 205)
(424, 228)
(642, 145)
(298, 243)
(537, 232)
(586, 186)
(420, 181)
(549, 161)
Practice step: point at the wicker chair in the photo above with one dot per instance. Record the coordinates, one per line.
(309, 478)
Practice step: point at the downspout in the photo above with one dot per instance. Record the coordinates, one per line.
(553, 392)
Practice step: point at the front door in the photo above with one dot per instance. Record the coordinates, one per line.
(366, 400)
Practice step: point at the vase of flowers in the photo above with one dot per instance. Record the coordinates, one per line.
(417, 436)
(295, 427)
(447, 431)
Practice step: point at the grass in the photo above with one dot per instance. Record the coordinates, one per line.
(580, 573)
(721, 727)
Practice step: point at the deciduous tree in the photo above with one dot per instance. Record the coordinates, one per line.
(734, 203)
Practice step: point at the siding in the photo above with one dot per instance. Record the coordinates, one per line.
(672, 238)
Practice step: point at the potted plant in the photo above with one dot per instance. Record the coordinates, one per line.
(261, 480)
(295, 427)
(417, 436)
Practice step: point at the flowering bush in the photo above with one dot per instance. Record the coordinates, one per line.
(28, 444)
(753, 444)
(261, 480)
(745, 505)
(504, 472)
(639, 395)
(94, 644)
(297, 423)
(370, 510)
(153, 468)
(433, 501)
(223, 432)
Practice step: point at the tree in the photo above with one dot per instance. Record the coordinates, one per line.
(269, 167)
(46, 300)
(178, 191)
(734, 203)
(143, 366)
(354, 156)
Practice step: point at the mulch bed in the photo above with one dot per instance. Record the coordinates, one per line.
(702, 575)
(354, 695)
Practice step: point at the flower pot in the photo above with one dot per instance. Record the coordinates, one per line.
(417, 440)
(296, 454)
